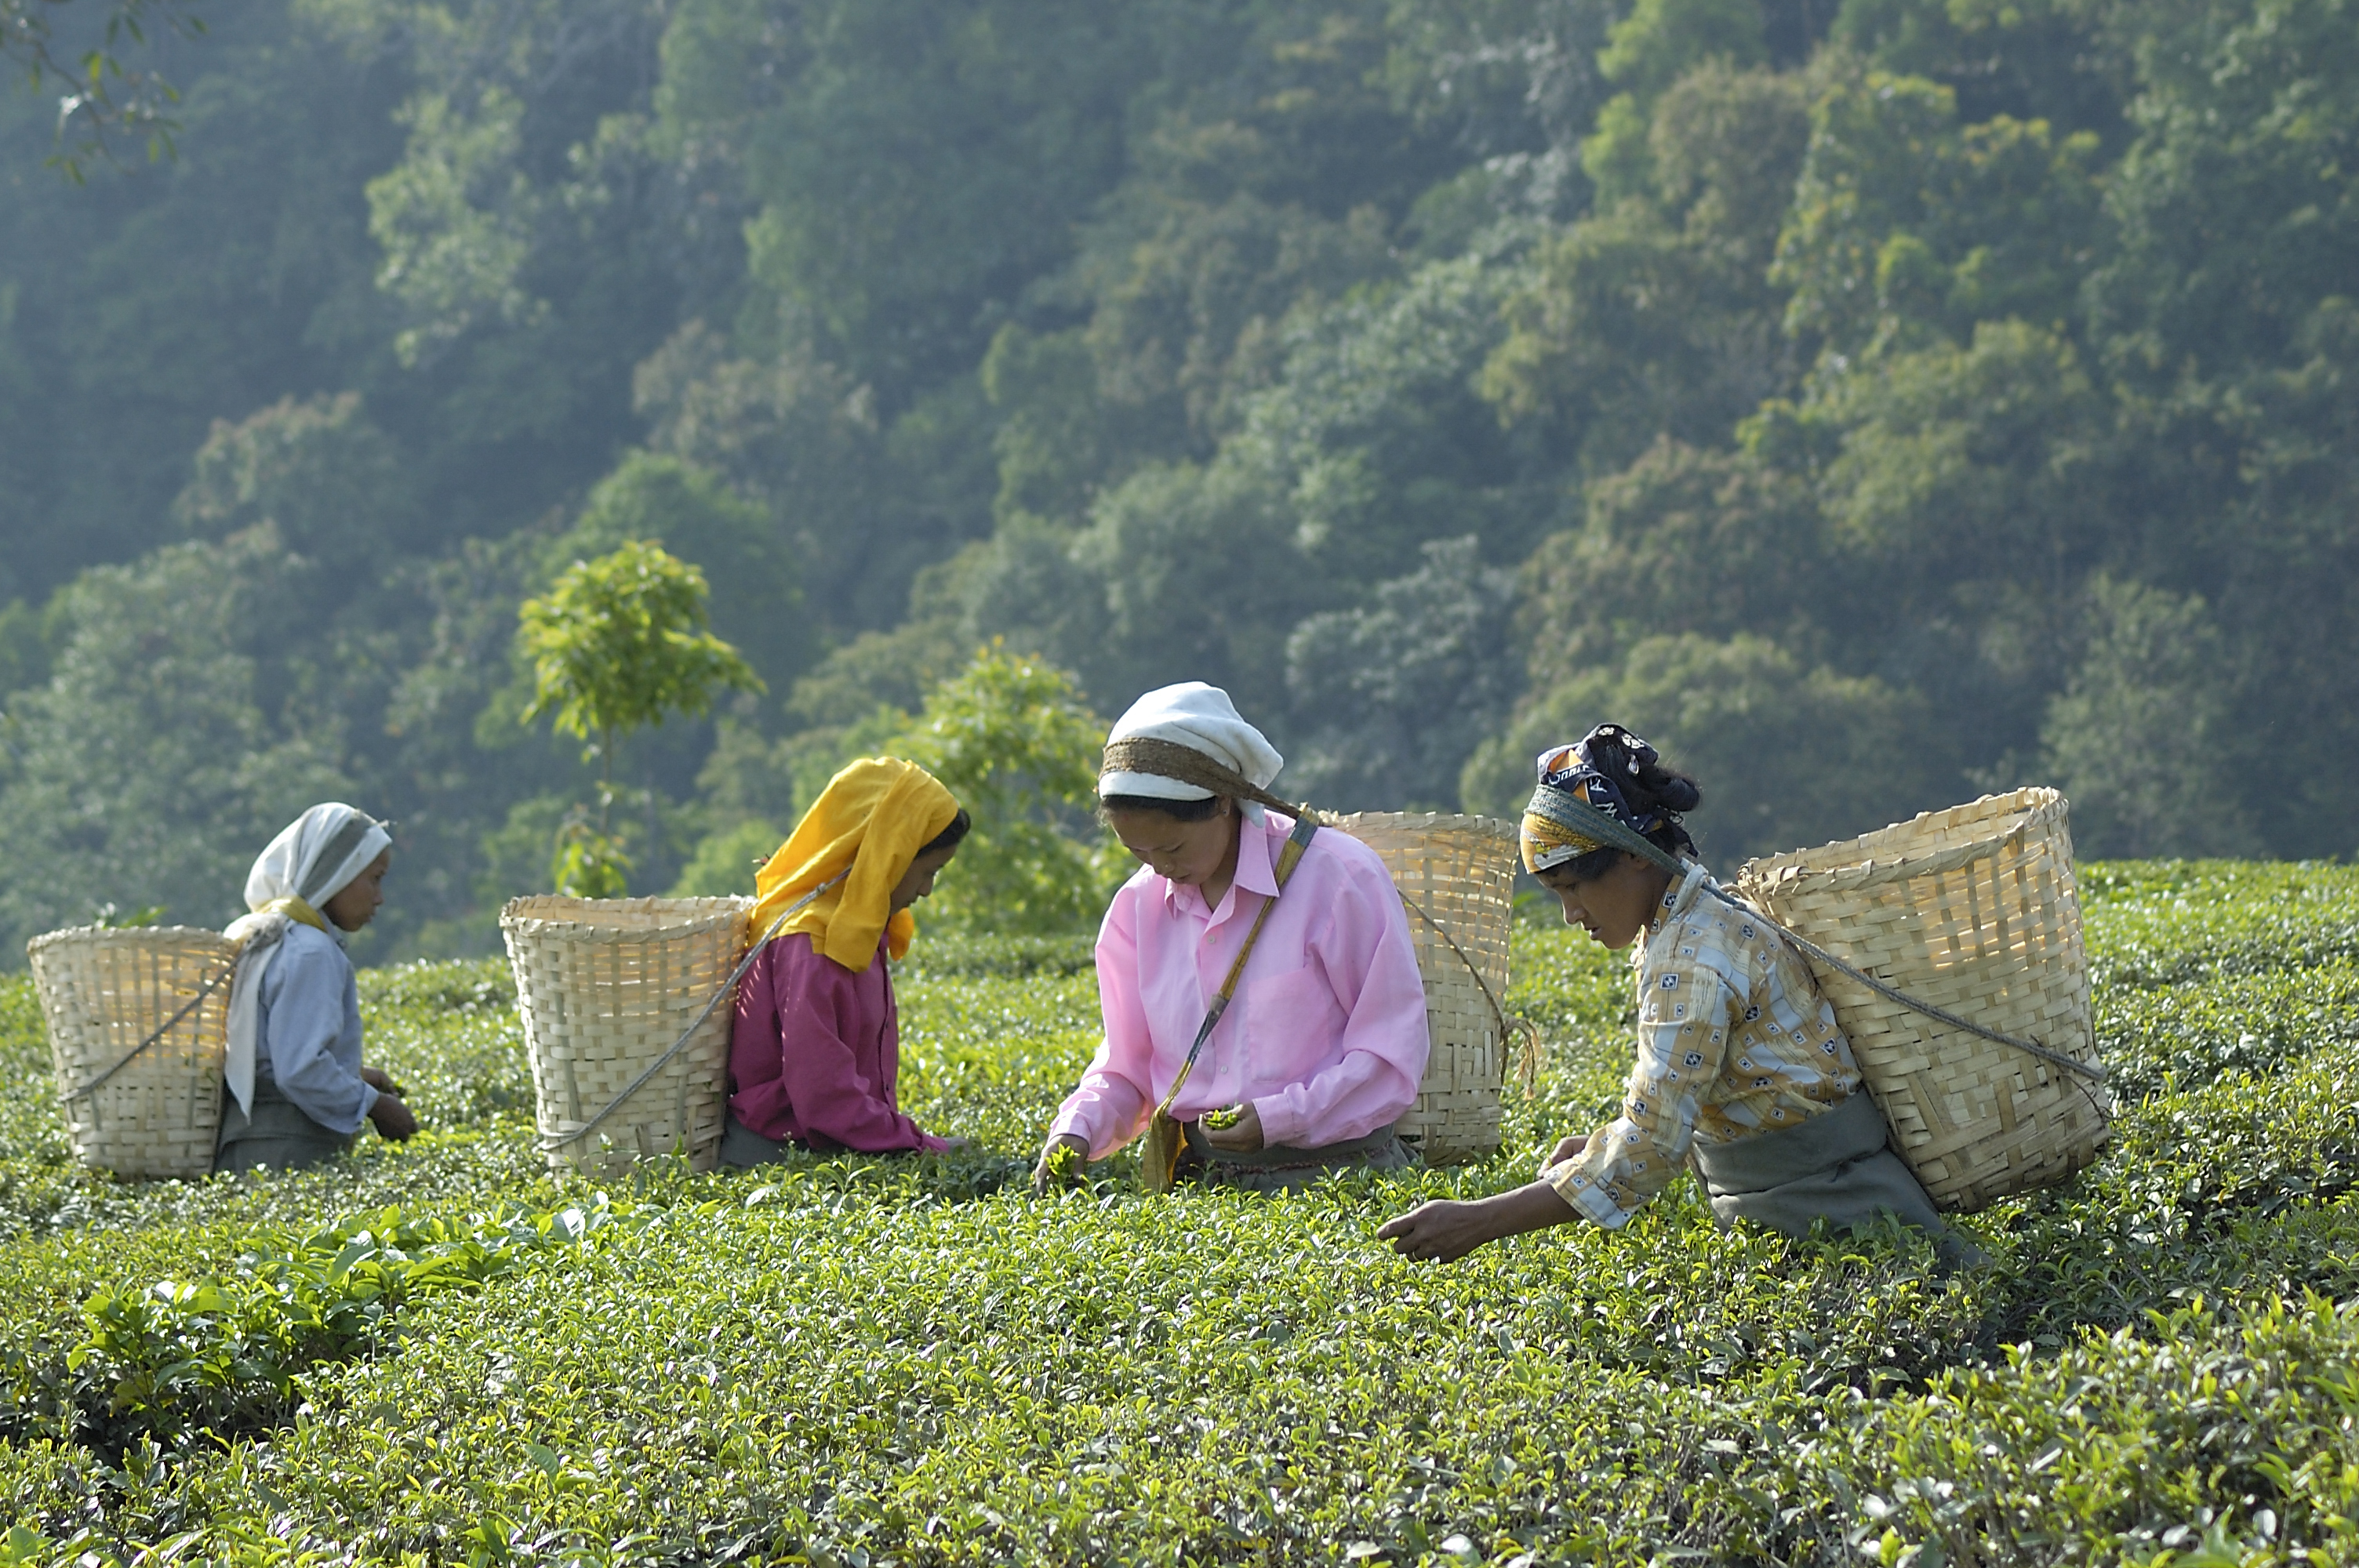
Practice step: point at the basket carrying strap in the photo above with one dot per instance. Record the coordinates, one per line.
(1522, 1027)
(1570, 810)
(552, 1141)
(2093, 1070)
(204, 990)
(1159, 1159)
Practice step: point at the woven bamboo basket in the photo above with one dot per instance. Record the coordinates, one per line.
(1974, 910)
(104, 992)
(1457, 875)
(604, 987)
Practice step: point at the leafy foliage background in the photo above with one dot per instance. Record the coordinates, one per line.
(1870, 401)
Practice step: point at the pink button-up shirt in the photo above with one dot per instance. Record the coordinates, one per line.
(1326, 1033)
(816, 1052)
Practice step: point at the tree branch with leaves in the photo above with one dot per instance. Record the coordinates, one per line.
(108, 97)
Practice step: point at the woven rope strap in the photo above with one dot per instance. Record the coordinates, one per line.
(203, 992)
(554, 1142)
(1568, 810)
(1523, 1027)
(1169, 760)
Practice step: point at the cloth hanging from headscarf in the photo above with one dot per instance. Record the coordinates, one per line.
(1189, 742)
(1592, 772)
(313, 859)
(866, 827)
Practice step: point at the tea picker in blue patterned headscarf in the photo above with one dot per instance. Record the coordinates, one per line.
(297, 1092)
(1740, 1065)
(1610, 779)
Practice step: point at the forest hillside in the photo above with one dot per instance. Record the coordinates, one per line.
(1871, 402)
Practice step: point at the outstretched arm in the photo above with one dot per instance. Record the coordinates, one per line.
(1445, 1231)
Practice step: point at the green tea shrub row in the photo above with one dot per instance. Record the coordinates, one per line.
(846, 1356)
(2189, 1035)
(219, 1358)
(2200, 1436)
(2172, 923)
(852, 1359)
(973, 955)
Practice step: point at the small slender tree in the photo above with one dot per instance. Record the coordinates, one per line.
(620, 644)
(1012, 738)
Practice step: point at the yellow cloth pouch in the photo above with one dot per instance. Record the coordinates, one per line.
(295, 909)
(867, 826)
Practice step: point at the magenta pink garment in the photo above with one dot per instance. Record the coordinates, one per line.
(1326, 1034)
(817, 1051)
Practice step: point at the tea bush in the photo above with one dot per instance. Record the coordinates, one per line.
(218, 1358)
(2169, 922)
(871, 1361)
(974, 954)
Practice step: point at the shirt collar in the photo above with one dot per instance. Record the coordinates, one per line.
(1679, 897)
(333, 932)
(1682, 895)
(1257, 872)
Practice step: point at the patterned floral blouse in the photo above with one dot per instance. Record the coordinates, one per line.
(1733, 1040)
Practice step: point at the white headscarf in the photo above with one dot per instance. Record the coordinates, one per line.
(312, 860)
(1202, 718)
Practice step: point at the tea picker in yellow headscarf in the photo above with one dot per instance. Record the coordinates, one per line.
(815, 1056)
(297, 1093)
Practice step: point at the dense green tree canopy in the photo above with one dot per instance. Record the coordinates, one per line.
(1872, 401)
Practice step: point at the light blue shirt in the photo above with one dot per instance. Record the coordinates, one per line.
(310, 1007)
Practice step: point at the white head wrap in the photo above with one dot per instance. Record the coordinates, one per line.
(1202, 718)
(313, 859)
(316, 856)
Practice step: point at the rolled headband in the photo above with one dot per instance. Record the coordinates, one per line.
(1558, 826)
(1170, 760)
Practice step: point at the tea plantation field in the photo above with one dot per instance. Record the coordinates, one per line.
(436, 1353)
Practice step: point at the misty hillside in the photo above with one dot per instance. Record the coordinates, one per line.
(1871, 404)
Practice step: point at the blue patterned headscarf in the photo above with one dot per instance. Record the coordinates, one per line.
(1596, 773)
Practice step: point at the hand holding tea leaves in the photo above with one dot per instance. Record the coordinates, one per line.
(393, 1117)
(1566, 1148)
(1236, 1128)
(1445, 1231)
(1061, 1164)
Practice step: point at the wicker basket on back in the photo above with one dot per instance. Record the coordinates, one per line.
(1975, 910)
(605, 988)
(138, 1023)
(1457, 875)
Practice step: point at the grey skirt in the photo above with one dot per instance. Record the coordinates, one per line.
(1837, 1167)
(275, 1133)
(1284, 1169)
(742, 1148)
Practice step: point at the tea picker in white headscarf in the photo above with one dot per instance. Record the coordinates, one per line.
(297, 1092)
(1322, 1042)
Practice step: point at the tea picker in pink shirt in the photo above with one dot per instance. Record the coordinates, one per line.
(1323, 1043)
(816, 1051)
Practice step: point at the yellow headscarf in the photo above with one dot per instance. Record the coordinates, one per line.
(873, 817)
